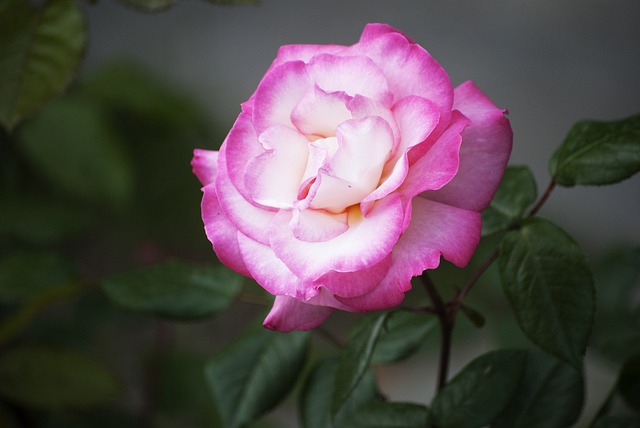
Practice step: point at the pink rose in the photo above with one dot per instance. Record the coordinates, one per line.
(350, 170)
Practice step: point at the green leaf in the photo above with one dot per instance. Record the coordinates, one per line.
(255, 373)
(72, 146)
(616, 329)
(596, 153)
(390, 415)
(617, 422)
(176, 290)
(150, 5)
(516, 193)
(547, 280)
(550, 395)
(476, 318)
(316, 396)
(480, 392)
(355, 360)
(39, 54)
(629, 382)
(403, 334)
(24, 276)
(54, 378)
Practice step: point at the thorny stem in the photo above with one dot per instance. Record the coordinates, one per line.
(447, 312)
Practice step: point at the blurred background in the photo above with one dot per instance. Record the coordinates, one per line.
(154, 86)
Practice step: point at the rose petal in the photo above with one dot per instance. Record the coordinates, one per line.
(279, 93)
(485, 151)
(240, 146)
(367, 241)
(288, 314)
(205, 165)
(304, 53)
(319, 113)
(272, 178)
(350, 74)
(222, 234)
(398, 57)
(317, 225)
(351, 284)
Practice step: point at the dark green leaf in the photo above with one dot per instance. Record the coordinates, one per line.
(255, 373)
(24, 276)
(596, 153)
(547, 279)
(150, 5)
(629, 382)
(315, 399)
(51, 378)
(175, 290)
(550, 395)
(39, 54)
(616, 329)
(476, 318)
(480, 392)
(71, 145)
(390, 415)
(617, 422)
(355, 360)
(516, 193)
(403, 334)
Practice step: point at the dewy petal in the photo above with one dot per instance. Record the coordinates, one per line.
(485, 151)
(221, 232)
(272, 178)
(279, 93)
(350, 74)
(288, 314)
(246, 217)
(409, 69)
(319, 113)
(367, 241)
(317, 225)
(205, 165)
(364, 146)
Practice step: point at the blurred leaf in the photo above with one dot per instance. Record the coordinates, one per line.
(403, 334)
(547, 280)
(476, 318)
(43, 377)
(516, 193)
(596, 153)
(150, 5)
(254, 374)
(480, 392)
(176, 290)
(39, 221)
(72, 146)
(390, 415)
(617, 422)
(629, 382)
(39, 54)
(616, 329)
(355, 361)
(26, 275)
(550, 395)
(316, 396)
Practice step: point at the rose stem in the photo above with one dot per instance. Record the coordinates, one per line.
(446, 319)
(543, 199)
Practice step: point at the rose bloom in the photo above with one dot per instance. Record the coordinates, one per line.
(350, 170)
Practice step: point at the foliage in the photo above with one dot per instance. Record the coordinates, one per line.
(104, 296)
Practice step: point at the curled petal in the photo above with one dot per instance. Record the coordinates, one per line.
(317, 225)
(485, 151)
(319, 113)
(205, 165)
(288, 314)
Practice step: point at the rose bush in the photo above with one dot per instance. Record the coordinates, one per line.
(350, 170)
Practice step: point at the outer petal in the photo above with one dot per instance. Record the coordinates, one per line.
(240, 146)
(367, 241)
(350, 284)
(304, 53)
(387, 294)
(205, 165)
(288, 314)
(279, 93)
(222, 233)
(399, 57)
(485, 150)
